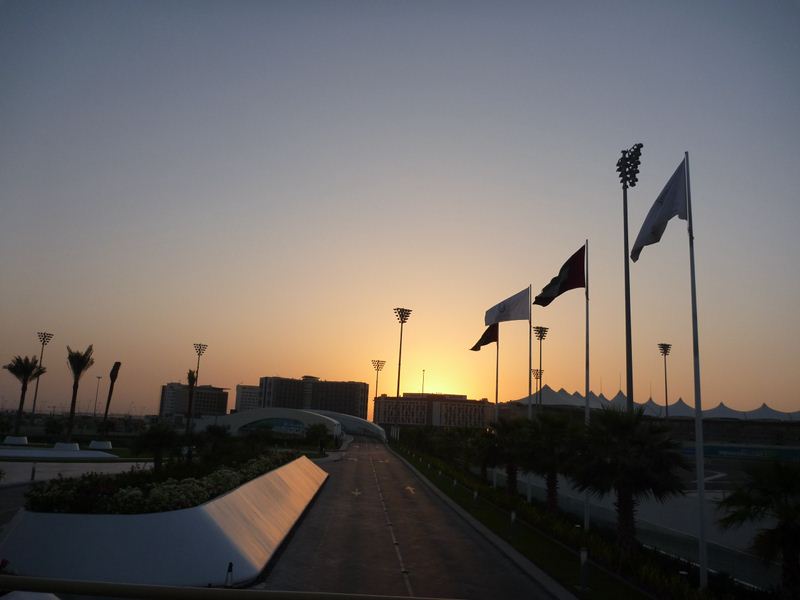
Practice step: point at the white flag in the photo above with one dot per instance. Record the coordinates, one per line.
(670, 202)
(515, 308)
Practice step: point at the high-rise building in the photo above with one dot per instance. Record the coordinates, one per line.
(348, 397)
(207, 400)
(248, 397)
(437, 410)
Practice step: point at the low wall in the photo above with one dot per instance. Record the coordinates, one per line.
(192, 546)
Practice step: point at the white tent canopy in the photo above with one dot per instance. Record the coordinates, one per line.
(652, 409)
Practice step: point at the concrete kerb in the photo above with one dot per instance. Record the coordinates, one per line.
(550, 585)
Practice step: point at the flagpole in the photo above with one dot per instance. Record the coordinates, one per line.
(497, 378)
(530, 353)
(698, 407)
(584, 551)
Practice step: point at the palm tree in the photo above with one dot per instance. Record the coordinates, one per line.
(113, 376)
(159, 439)
(635, 458)
(25, 369)
(191, 378)
(79, 362)
(511, 439)
(771, 492)
(551, 451)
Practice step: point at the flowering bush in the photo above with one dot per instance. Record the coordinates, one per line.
(138, 491)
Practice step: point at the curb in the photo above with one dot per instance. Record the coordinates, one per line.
(552, 587)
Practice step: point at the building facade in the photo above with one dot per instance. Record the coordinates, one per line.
(437, 410)
(248, 397)
(207, 400)
(309, 393)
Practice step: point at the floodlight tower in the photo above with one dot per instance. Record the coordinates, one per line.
(537, 375)
(541, 333)
(199, 349)
(44, 339)
(378, 366)
(402, 315)
(628, 169)
(664, 349)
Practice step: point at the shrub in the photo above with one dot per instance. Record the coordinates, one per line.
(141, 491)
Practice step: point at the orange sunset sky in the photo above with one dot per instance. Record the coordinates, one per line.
(272, 179)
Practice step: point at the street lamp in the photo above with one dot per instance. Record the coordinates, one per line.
(402, 315)
(628, 169)
(44, 339)
(541, 333)
(96, 392)
(664, 349)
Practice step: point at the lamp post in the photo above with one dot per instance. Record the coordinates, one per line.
(96, 392)
(537, 375)
(628, 169)
(44, 339)
(200, 349)
(541, 333)
(402, 315)
(664, 349)
(378, 366)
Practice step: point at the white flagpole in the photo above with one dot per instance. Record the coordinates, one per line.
(584, 574)
(698, 407)
(530, 354)
(497, 378)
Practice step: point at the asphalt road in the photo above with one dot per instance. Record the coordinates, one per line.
(376, 529)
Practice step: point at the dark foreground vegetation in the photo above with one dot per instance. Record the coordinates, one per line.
(220, 463)
(624, 454)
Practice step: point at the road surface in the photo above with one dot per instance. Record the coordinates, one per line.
(375, 528)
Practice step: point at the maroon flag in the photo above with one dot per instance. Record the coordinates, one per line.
(489, 336)
(572, 275)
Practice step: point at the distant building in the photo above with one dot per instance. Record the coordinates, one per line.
(309, 393)
(207, 400)
(248, 397)
(437, 410)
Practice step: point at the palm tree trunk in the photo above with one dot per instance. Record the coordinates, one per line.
(189, 425)
(108, 403)
(626, 519)
(552, 491)
(72, 405)
(21, 406)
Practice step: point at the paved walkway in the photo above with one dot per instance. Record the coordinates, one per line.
(375, 528)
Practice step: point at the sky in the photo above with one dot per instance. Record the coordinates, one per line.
(273, 178)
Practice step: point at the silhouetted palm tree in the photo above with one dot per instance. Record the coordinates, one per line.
(191, 378)
(79, 362)
(25, 369)
(512, 436)
(113, 377)
(772, 493)
(635, 458)
(159, 439)
(481, 448)
(551, 451)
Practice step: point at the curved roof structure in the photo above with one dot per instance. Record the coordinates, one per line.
(355, 425)
(283, 420)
